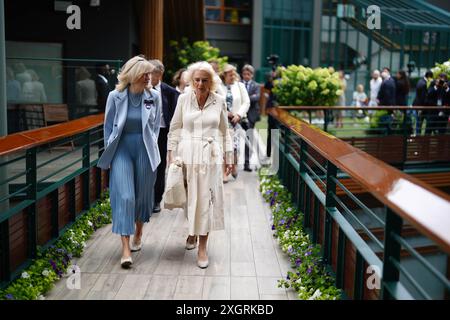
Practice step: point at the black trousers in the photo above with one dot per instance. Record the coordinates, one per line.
(161, 174)
(246, 126)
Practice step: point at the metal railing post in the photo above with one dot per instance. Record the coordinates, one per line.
(87, 174)
(284, 150)
(101, 144)
(391, 251)
(31, 181)
(302, 189)
(55, 213)
(340, 259)
(358, 288)
(5, 252)
(405, 137)
(329, 203)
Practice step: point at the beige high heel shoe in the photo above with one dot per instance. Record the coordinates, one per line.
(203, 264)
(190, 246)
(136, 247)
(126, 262)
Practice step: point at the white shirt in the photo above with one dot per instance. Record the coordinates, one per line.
(375, 86)
(241, 100)
(158, 88)
(358, 97)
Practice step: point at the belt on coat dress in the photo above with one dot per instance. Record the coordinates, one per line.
(208, 150)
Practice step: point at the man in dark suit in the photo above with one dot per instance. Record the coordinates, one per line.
(253, 115)
(438, 96)
(102, 85)
(169, 102)
(386, 95)
(421, 97)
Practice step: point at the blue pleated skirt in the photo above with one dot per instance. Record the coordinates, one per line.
(131, 184)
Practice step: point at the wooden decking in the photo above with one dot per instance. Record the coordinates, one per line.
(245, 260)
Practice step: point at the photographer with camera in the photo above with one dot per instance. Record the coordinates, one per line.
(438, 95)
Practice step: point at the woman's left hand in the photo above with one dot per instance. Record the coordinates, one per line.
(229, 168)
(235, 119)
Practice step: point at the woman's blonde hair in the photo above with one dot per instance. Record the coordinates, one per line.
(132, 71)
(230, 68)
(360, 87)
(202, 66)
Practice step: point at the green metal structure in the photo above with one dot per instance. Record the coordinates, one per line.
(413, 35)
(287, 31)
(34, 175)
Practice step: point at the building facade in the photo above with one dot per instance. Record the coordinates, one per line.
(412, 36)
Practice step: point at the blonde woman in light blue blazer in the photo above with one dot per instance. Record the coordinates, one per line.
(131, 129)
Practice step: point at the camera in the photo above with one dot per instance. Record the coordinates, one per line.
(273, 61)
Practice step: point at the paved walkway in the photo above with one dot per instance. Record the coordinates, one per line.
(245, 260)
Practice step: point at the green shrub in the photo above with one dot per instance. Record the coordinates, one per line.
(184, 53)
(441, 68)
(300, 86)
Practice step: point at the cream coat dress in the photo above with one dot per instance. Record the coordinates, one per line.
(201, 138)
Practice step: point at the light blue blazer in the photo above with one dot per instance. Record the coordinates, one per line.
(115, 117)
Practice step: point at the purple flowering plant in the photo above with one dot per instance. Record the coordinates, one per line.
(53, 262)
(310, 279)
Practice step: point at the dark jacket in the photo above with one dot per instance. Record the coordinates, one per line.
(434, 94)
(387, 93)
(169, 102)
(254, 91)
(421, 93)
(401, 92)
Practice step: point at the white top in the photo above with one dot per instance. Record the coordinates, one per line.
(241, 100)
(86, 92)
(33, 91)
(375, 86)
(359, 98)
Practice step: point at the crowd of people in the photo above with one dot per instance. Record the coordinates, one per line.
(202, 120)
(386, 90)
(24, 84)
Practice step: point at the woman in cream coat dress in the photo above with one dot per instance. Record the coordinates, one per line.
(199, 135)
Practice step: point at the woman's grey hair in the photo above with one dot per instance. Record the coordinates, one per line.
(206, 67)
(159, 67)
(248, 68)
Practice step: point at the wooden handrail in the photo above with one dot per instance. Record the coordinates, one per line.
(426, 208)
(306, 108)
(28, 139)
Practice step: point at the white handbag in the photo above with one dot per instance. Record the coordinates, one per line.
(175, 193)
